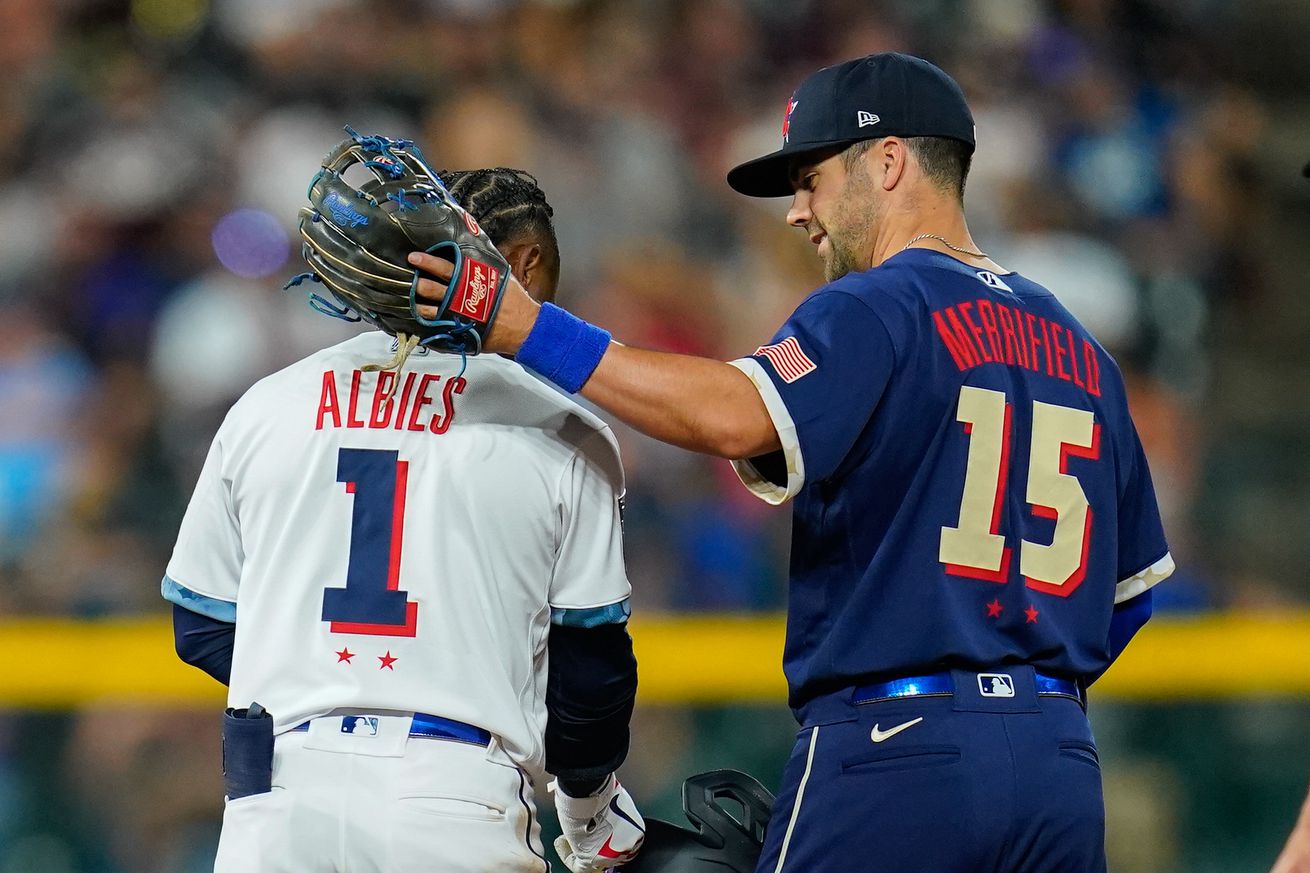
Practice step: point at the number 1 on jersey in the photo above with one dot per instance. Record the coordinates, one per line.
(372, 602)
(976, 548)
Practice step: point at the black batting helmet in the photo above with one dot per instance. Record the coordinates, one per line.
(729, 811)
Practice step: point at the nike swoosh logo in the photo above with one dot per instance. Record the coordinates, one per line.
(611, 854)
(881, 736)
(614, 807)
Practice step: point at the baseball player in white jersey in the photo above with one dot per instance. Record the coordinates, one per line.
(420, 578)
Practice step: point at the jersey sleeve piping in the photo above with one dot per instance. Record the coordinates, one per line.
(759, 485)
(1145, 580)
(591, 616)
(201, 604)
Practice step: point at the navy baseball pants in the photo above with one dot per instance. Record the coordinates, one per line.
(951, 784)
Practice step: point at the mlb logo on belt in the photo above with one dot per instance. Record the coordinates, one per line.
(360, 725)
(473, 295)
(995, 685)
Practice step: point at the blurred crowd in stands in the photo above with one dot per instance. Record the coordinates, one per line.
(153, 155)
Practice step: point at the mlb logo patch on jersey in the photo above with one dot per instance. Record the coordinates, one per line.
(790, 362)
(995, 684)
(360, 725)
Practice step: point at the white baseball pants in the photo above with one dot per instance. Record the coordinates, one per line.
(384, 802)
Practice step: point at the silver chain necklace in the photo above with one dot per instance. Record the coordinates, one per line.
(943, 241)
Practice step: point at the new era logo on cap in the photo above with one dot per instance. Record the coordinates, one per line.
(788, 360)
(866, 118)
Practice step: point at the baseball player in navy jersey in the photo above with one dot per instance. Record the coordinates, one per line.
(975, 533)
(420, 577)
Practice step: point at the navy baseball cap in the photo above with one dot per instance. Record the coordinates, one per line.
(888, 94)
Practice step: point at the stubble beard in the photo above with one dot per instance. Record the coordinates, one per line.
(853, 223)
(840, 262)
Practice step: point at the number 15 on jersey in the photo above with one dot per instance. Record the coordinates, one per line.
(976, 547)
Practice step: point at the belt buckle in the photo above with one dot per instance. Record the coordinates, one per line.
(996, 685)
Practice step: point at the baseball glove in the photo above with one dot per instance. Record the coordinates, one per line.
(356, 241)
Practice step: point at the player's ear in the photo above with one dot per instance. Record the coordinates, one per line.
(528, 263)
(891, 154)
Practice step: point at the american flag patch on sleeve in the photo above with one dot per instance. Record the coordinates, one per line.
(788, 360)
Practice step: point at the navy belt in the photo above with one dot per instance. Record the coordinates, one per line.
(943, 684)
(430, 726)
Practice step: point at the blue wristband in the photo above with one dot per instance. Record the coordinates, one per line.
(563, 348)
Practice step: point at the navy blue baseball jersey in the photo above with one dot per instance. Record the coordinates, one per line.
(970, 491)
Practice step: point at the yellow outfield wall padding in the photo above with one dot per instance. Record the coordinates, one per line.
(705, 659)
(50, 663)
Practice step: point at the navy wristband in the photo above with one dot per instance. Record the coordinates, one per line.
(563, 348)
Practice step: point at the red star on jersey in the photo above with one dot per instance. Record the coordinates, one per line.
(345, 655)
(387, 660)
(1031, 613)
(994, 609)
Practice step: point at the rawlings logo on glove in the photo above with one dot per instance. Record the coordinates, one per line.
(472, 296)
(601, 831)
(342, 212)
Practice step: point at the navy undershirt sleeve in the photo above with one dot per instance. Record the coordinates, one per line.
(1128, 618)
(204, 642)
(591, 685)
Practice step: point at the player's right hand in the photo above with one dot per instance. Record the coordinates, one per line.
(514, 319)
(601, 831)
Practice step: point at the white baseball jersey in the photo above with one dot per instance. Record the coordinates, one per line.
(404, 553)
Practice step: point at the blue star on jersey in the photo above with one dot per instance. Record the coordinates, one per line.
(970, 490)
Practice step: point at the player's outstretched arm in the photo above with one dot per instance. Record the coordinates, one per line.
(695, 403)
(699, 404)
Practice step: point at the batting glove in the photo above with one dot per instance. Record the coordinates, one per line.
(601, 831)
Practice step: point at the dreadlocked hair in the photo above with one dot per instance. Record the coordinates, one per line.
(508, 203)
